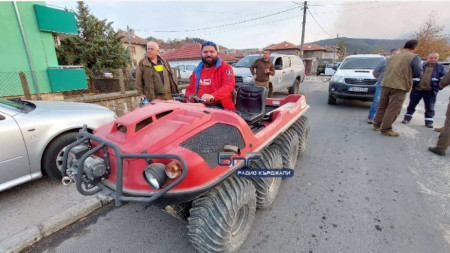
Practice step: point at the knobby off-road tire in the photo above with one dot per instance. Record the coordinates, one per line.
(288, 146)
(301, 127)
(267, 187)
(221, 219)
(53, 155)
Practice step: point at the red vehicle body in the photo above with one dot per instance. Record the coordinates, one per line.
(193, 134)
(166, 135)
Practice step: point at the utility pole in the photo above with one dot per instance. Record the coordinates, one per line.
(335, 48)
(129, 48)
(303, 28)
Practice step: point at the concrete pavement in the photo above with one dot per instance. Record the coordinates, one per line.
(39, 208)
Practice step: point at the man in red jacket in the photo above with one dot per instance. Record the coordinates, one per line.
(213, 79)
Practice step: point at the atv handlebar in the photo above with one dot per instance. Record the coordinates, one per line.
(188, 99)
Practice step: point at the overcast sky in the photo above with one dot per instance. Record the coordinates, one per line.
(256, 24)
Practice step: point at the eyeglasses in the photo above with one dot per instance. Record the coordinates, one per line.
(209, 43)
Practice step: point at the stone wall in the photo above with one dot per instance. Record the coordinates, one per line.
(120, 103)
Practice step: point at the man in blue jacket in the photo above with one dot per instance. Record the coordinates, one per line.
(426, 88)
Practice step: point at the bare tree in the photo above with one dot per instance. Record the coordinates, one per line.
(431, 38)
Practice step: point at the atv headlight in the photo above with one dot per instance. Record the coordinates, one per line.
(155, 175)
(338, 79)
(247, 79)
(173, 169)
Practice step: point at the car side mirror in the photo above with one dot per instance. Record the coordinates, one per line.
(278, 67)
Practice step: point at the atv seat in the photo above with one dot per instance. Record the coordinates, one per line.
(251, 102)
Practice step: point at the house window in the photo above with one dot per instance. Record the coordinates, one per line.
(133, 50)
(56, 40)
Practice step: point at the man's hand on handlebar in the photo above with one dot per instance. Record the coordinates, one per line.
(208, 97)
(189, 99)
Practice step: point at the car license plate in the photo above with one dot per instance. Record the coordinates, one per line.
(358, 89)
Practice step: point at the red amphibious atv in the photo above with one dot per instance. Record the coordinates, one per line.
(173, 152)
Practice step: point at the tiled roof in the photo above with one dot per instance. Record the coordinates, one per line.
(312, 47)
(283, 45)
(237, 55)
(227, 57)
(191, 51)
(133, 39)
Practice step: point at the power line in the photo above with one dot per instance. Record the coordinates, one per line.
(365, 8)
(249, 26)
(225, 25)
(342, 4)
(318, 23)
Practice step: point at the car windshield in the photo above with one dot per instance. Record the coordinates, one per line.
(17, 104)
(360, 63)
(247, 61)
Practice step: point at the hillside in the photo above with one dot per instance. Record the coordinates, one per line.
(363, 46)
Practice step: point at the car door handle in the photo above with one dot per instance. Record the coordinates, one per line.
(283, 72)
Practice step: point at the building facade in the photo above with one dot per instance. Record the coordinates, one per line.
(30, 32)
(138, 46)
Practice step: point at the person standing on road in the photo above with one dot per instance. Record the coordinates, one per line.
(261, 69)
(444, 137)
(400, 70)
(154, 76)
(213, 79)
(378, 73)
(426, 88)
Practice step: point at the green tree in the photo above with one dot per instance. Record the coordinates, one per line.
(97, 47)
(431, 39)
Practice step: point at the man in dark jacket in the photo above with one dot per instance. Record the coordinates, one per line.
(213, 79)
(154, 76)
(426, 88)
(400, 70)
(444, 138)
(262, 69)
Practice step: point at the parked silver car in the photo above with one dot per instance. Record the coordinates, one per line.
(289, 72)
(34, 134)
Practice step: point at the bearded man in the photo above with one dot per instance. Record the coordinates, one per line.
(213, 79)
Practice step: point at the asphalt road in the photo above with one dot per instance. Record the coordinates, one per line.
(354, 191)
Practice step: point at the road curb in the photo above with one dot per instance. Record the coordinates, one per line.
(29, 236)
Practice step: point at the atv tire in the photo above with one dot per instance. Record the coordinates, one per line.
(220, 220)
(288, 146)
(267, 187)
(301, 127)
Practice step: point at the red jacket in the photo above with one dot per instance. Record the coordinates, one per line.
(223, 83)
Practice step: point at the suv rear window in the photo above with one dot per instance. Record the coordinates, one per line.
(360, 63)
(247, 61)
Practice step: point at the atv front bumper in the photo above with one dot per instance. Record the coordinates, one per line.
(97, 185)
